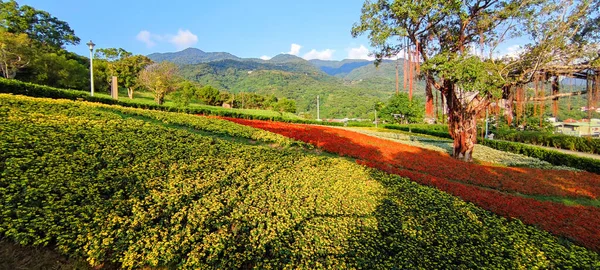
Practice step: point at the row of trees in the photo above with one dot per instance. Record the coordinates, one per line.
(32, 46)
(163, 79)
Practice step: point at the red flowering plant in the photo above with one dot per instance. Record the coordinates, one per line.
(497, 189)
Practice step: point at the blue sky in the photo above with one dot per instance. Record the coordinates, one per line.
(307, 28)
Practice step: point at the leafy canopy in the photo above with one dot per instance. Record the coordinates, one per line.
(160, 79)
(39, 25)
(15, 53)
(406, 110)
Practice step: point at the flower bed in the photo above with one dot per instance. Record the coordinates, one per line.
(436, 169)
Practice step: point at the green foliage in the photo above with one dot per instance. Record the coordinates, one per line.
(120, 63)
(60, 69)
(581, 144)
(553, 157)
(433, 130)
(254, 101)
(109, 186)
(15, 53)
(160, 78)
(468, 72)
(185, 93)
(297, 80)
(191, 56)
(39, 25)
(111, 54)
(412, 111)
(29, 89)
(285, 105)
(209, 95)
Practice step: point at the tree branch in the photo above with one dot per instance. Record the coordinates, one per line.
(578, 93)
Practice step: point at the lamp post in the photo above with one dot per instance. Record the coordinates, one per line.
(91, 45)
(318, 115)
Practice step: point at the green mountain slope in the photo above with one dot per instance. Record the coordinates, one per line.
(339, 68)
(346, 88)
(191, 56)
(298, 80)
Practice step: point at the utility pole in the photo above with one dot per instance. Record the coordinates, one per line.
(375, 116)
(318, 115)
(486, 123)
(397, 85)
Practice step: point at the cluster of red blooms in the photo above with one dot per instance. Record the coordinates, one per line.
(578, 223)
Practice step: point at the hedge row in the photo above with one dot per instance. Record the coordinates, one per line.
(433, 130)
(35, 90)
(573, 143)
(100, 185)
(553, 157)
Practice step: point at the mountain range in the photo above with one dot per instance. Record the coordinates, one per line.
(346, 88)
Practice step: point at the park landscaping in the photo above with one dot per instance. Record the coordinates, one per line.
(498, 189)
(137, 188)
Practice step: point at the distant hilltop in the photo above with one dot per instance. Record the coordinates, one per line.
(192, 56)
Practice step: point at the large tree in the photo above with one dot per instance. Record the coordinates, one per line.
(35, 40)
(39, 25)
(123, 64)
(128, 69)
(450, 37)
(160, 79)
(401, 109)
(59, 69)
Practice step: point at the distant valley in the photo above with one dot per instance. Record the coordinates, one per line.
(346, 88)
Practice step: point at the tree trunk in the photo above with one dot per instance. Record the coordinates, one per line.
(463, 128)
(428, 100)
(508, 96)
(555, 90)
(462, 124)
(130, 92)
(159, 98)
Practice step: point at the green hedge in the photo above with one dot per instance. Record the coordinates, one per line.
(553, 157)
(433, 130)
(580, 144)
(35, 90)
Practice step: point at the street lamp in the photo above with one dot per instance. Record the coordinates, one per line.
(91, 45)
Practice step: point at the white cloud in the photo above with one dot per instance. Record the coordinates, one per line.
(359, 53)
(295, 49)
(146, 37)
(183, 39)
(512, 51)
(264, 57)
(362, 52)
(326, 54)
